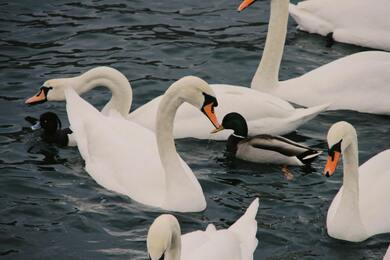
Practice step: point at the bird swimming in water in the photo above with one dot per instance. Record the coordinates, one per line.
(264, 148)
(52, 129)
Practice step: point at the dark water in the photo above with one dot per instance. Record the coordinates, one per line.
(51, 208)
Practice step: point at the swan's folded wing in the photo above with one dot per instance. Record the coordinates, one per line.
(374, 183)
(245, 228)
(211, 245)
(237, 242)
(115, 151)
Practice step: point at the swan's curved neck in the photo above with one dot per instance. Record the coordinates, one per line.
(113, 80)
(175, 177)
(174, 250)
(351, 171)
(347, 222)
(266, 77)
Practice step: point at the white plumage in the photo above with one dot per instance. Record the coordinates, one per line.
(361, 208)
(127, 158)
(352, 82)
(238, 242)
(359, 22)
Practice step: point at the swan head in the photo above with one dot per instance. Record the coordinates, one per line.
(340, 136)
(198, 93)
(51, 90)
(164, 238)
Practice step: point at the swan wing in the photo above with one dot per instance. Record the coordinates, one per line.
(374, 182)
(387, 255)
(356, 22)
(237, 242)
(366, 79)
(119, 155)
(281, 117)
(122, 156)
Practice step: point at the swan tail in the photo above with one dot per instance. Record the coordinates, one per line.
(309, 22)
(303, 115)
(245, 228)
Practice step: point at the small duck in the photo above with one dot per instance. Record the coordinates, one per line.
(52, 132)
(264, 148)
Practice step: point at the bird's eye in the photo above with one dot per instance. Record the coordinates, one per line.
(209, 100)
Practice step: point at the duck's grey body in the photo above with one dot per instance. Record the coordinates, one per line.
(264, 148)
(271, 149)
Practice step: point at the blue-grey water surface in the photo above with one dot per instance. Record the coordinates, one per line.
(50, 208)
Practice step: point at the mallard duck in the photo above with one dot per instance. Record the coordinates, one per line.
(263, 148)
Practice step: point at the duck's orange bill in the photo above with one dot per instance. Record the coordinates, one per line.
(245, 4)
(331, 165)
(38, 98)
(209, 112)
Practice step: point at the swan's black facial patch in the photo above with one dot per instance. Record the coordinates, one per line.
(44, 91)
(334, 148)
(209, 100)
(161, 258)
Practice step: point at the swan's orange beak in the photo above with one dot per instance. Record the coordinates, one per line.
(208, 110)
(331, 164)
(245, 4)
(38, 98)
(216, 130)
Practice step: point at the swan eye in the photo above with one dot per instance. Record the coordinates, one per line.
(335, 148)
(45, 91)
(208, 99)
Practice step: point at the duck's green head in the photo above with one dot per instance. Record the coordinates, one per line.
(235, 122)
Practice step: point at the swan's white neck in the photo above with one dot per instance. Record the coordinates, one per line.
(112, 79)
(177, 183)
(347, 219)
(174, 250)
(164, 238)
(351, 173)
(266, 77)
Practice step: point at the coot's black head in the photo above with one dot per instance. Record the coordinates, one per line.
(50, 122)
(237, 123)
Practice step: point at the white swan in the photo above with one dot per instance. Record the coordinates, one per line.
(352, 82)
(387, 255)
(359, 22)
(114, 80)
(127, 158)
(265, 113)
(361, 208)
(238, 242)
